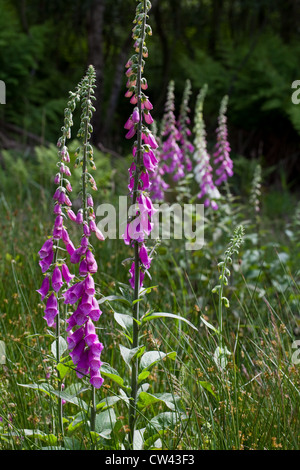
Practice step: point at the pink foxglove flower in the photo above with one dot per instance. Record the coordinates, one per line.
(222, 148)
(203, 170)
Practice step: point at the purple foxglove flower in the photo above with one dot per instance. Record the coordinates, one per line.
(66, 274)
(129, 124)
(67, 171)
(83, 365)
(44, 289)
(79, 217)
(57, 178)
(75, 338)
(93, 268)
(93, 226)
(71, 322)
(61, 198)
(46, 249)
(69, 187)
(83, 268)
(57, 233)
(99, 235)
(90, 333)
(86, 303)
(80, 316)
(77, 351)
(89, 285)
(143, 254)
(135, 116)
(134, 99)
(132, 273)
(90, 257)
(68, 201)
(84, 242)
(89, 201)
(148, 118)
(86, 229)
(94, 361)
(45, 263)
(73, 293)
(56, 194)
(96, 380)
(95, 313)
(130, 133)
(58, 221)
(70, 247)
(71, 215)
(51, 310)
(65, 236)
(57, 281)
(75, 257)
(147, 105)
(57, 209)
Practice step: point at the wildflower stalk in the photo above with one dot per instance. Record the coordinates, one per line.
(139, 182)
(136, 308)
(233, 247)
(87, 111)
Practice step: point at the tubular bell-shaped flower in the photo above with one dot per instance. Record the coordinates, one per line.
(203, 170)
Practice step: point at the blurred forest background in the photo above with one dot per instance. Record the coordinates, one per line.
(248, 49)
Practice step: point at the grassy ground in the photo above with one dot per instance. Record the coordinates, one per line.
(251, 403)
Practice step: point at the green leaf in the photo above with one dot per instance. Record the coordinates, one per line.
(143, 375)
(79, 420)
(63, 346)
(49, 390)
(50, 439)
(105, 423)
(125, 321)
(108, 371)
(129, 354)
(155, 315)
(165, 420)
(171, 401)
(207, 387)
(111, 298)
(64, 367)
(151, 357)
(107, 403)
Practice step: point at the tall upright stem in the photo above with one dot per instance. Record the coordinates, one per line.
(85, 215)
(136, 313)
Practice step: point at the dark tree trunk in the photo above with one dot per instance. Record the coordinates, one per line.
(115, 91)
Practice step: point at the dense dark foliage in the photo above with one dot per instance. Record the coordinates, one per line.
(248, 49)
